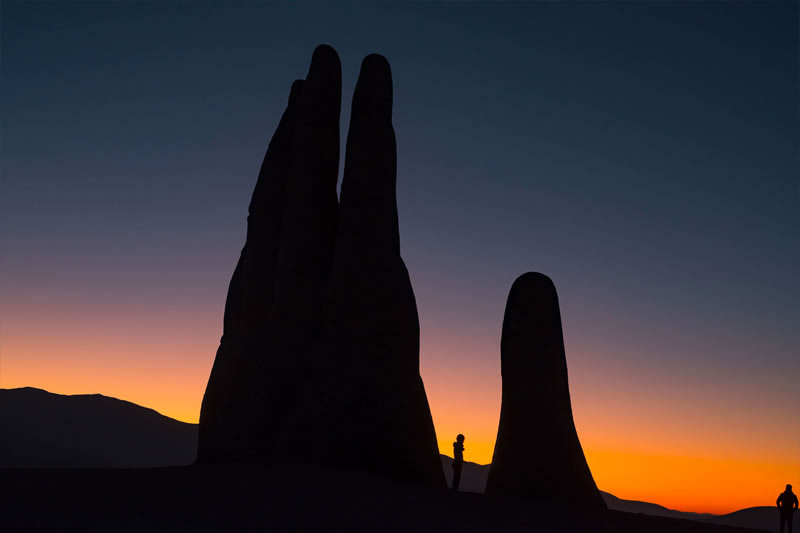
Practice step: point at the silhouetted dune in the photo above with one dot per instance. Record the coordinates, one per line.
(256, 498)
(473, 475)
(765, 518)
(41, 429)
(652, 509)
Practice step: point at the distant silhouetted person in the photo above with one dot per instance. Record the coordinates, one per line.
(458, 460)
(787, 503)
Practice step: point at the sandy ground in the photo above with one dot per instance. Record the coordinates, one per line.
(230, 498)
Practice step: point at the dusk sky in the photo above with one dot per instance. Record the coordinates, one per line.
(643, 155)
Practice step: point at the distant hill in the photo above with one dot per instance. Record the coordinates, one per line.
(41, 429)
(473, 475)
(652, 509)
(765, 518)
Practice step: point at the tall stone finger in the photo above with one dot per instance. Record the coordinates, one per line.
(372, 315)
(538, 454)
(309, 223)
(371, 296)
(227, 402)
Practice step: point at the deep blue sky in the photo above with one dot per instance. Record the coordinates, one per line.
(645, 156)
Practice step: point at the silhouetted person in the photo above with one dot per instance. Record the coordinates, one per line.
(458, 460)
(787, 503)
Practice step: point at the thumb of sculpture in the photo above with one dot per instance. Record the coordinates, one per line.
(537, 455)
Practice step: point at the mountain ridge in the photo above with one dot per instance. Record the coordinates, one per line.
(48, 430)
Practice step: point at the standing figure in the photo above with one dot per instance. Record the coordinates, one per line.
(787, 503)
(458, 460)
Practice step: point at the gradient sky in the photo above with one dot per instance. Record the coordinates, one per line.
(645, 156)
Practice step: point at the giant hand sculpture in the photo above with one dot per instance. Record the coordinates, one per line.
(319, 360)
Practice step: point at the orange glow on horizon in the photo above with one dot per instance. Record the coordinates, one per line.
(641, 443)
(694, 484)
(685, 483)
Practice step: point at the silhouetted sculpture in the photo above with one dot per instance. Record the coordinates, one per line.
(787, 504)
(537, 454)
(458, 460)
(321, 332)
